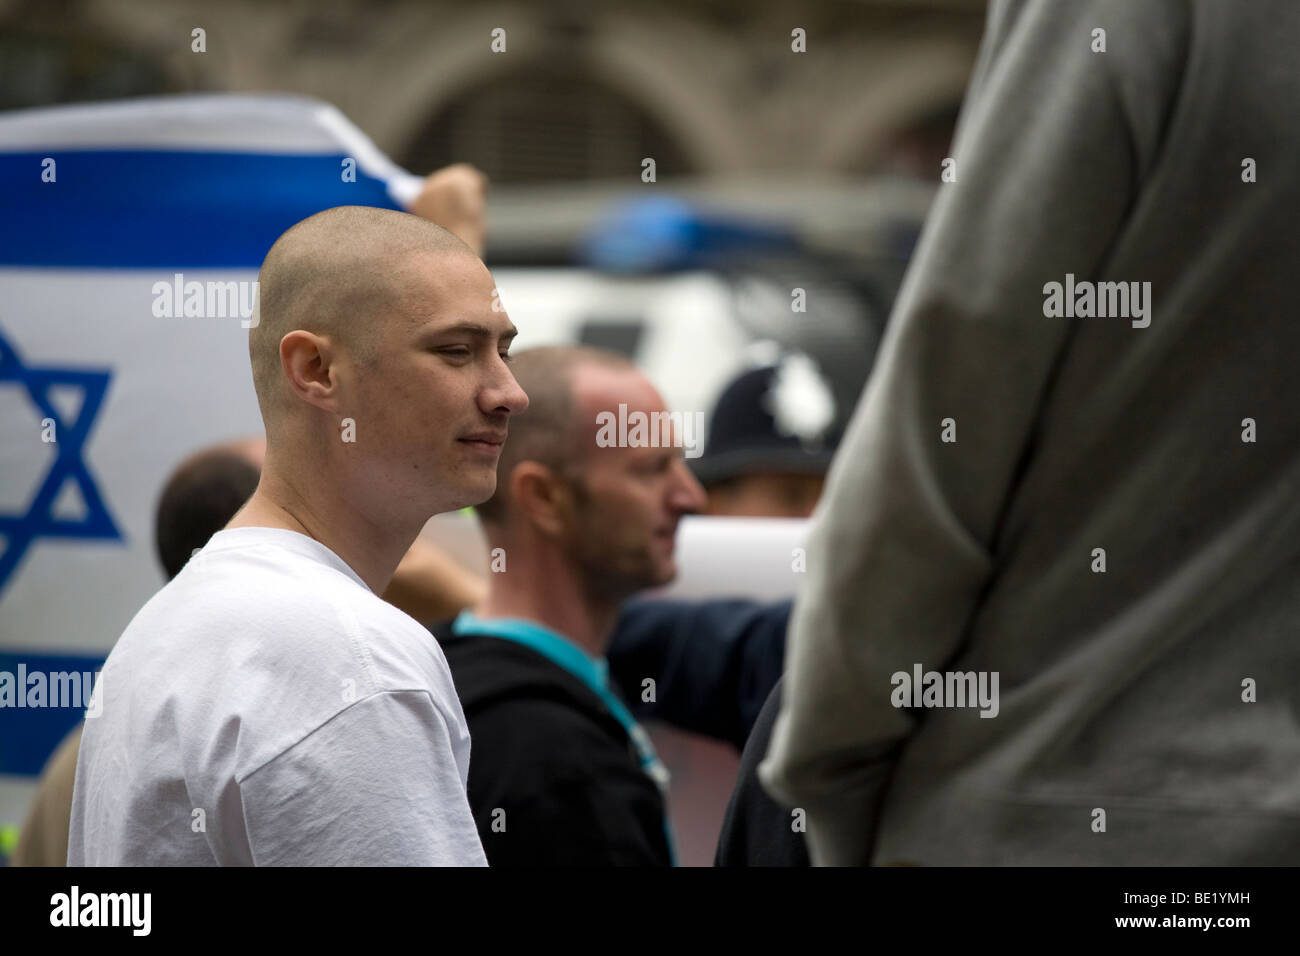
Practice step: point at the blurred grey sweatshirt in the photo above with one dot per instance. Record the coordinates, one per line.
(1120, 691)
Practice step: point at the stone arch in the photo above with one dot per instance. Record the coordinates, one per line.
(543, 120)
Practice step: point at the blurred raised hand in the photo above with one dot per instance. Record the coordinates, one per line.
(455, 197)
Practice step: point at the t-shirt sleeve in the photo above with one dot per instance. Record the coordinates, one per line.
(377, 785)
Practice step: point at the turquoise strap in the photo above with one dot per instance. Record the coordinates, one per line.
(592, 671)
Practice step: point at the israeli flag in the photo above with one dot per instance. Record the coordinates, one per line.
(132, 234)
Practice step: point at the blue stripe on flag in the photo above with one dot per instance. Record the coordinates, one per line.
(165, 209)
(28, 735)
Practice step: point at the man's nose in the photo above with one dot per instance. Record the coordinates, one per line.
(688, 495)
(504, 394)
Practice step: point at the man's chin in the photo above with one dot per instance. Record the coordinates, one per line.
(474, 495)
(665, 575)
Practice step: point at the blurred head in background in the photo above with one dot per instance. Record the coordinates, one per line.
(202, 494)
(771, 438)
(604, 517)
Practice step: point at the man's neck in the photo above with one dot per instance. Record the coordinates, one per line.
(551, 595)
(372, 552)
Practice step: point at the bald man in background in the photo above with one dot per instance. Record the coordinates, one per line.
(267, 707)
(563, 775)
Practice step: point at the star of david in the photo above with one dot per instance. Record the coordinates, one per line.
(22, 529)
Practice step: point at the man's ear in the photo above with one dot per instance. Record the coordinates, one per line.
(541, 497)
(307, 361)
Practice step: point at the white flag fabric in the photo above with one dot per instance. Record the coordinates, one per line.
(132, 234)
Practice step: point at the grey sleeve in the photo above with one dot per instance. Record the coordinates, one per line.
(904, 539)
(377, 785)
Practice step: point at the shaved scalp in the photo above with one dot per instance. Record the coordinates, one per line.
(548, 431)
(341, 273)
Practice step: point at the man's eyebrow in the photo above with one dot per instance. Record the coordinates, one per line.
(474, 329)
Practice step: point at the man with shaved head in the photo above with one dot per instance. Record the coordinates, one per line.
(266, 706)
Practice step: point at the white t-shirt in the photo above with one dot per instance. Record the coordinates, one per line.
(266, 707)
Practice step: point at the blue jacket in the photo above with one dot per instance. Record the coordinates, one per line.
(713, 663)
